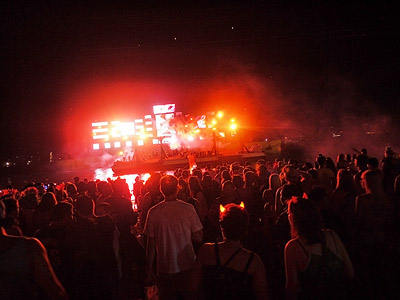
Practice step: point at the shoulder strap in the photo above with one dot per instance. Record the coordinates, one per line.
(217, 254)
(232, 256)
(249, 262)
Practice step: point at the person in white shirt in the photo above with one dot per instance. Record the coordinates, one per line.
(170, 227)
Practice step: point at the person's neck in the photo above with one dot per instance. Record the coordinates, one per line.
(171, 198)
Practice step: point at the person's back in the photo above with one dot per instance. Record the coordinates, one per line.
(170, 227)
(226, 270)
(228, 277)
(172, 223)
(316, 261)
(322, 276)
(25, 271)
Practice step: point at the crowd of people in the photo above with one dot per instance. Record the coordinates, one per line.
(264, 230)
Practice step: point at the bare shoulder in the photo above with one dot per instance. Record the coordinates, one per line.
(292, 245)
(35, 246)
(257, 264)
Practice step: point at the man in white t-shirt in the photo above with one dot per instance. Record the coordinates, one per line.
(170, 227)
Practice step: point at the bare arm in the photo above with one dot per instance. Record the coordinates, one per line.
(43, 273)
(291, 271)
(260, 286)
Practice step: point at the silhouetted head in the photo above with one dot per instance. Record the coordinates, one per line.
(234, 221)
(304, 219)
(169, 186)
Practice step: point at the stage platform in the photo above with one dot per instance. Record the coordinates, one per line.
(172, 163)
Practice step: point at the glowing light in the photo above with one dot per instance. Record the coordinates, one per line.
(147, 116)
(95, 130)
(107, 145)
(163, 109)
(96, 146)
(190, 138)
(214, 122)
(241, 204)
(156, 142)
(103, 174)
(121, 153)
(174, 142)
(222, 134)
(220, 114)
(197, 130)
(221, 208)
(129, 143)
(233, 120)
(145, 177)
(99, 124)
(233, 126)
(143, 136)
(140, 142)
(117, 144)
(102, 136)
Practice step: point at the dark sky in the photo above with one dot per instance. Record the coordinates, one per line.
(66, 65)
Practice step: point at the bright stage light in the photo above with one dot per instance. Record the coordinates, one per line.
(129, 143)
(140, 142)
(233, 126)
(232, 120)
(99, 124)
(214, 122)
(96, 146)
(190, 138)
(117, 144)
(107, 145)
(220, 114)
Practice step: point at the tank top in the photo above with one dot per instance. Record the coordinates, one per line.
(221, 282)
(16, 278)
(323, 276)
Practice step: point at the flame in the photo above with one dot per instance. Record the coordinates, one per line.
(241, 204)
(221, 208)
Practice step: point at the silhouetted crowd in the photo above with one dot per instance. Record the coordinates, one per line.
(266, 230)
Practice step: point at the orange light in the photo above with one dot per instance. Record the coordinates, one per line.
(220, 114)
(233, 120)
(214, 122)
(233, 126)
(241, 204)
(221, 208)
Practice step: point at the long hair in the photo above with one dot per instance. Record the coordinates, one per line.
(306, 219)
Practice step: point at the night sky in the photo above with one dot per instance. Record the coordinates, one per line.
(298, 68)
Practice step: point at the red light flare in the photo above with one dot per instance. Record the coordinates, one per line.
(107, 101)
